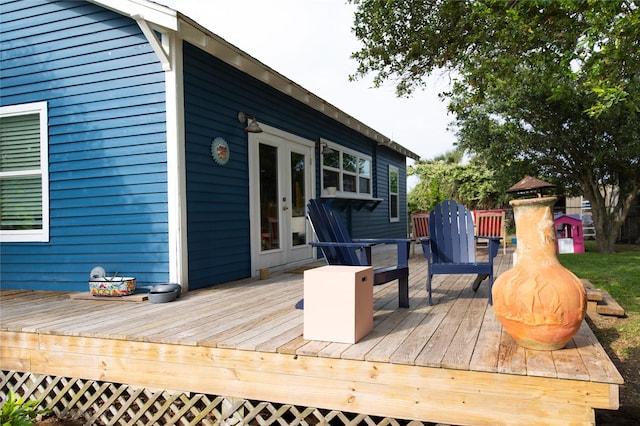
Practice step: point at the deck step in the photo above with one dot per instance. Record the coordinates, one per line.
(600, 301)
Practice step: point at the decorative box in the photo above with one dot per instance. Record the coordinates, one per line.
(338, 303)
(112, 286)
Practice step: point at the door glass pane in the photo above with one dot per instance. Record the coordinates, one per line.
(269, 219)
(298, 198)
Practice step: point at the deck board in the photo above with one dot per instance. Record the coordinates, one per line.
(567, 364)
(435, 349)
(460, 349)
(511, 357)
(540, 363)
(485, 356)
(450, 362)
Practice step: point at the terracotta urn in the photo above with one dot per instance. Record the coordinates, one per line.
(540, 303)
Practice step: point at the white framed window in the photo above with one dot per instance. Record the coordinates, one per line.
(347, 170)
(394, 194)
(24, 173)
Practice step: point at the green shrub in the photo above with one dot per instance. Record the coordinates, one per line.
(18, 412)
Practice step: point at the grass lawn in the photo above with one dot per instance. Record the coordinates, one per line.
(619, 274)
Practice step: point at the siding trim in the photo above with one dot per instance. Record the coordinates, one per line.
(168, 49)
(176, 164)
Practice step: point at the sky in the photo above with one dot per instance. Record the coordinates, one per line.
(310, 42)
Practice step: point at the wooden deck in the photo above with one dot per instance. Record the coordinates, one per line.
(450, 362)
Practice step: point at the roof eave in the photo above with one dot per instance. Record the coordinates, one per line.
(149, 11)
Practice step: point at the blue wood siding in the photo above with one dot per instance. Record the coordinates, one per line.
(107, 143)
(218, 196)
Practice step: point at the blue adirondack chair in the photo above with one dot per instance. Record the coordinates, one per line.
(339, 248)
(450, 247)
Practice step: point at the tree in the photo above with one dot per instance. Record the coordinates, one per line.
(548, 87)
(435, 184)
(446, 177)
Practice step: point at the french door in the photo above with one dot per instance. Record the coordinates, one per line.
(281, 181)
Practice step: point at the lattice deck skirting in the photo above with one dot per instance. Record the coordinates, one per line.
(103, 403)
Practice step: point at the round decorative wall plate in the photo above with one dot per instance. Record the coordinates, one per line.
(220, 151)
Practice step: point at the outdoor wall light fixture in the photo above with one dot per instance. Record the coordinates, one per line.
(324, 148)
(252, 127)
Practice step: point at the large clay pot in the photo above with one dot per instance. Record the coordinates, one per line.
(539, 302)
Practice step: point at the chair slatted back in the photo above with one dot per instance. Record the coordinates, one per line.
(420, 223)
(329, 227)
(420, 228)
(451, 228)
(491, 223)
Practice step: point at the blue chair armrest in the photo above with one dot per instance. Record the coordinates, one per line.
(330, 244)
(497, 239)
(426, 247)
(383, 240)
(494, 246)
(365, 255)
(403, 245)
